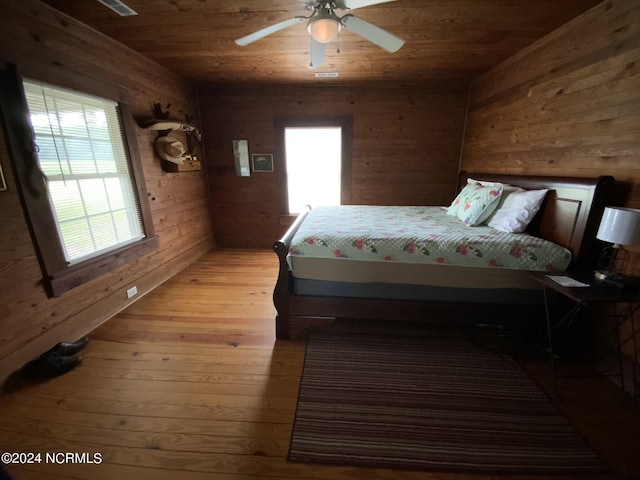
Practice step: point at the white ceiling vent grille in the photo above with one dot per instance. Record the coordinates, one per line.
(119, 7)
(326, 74)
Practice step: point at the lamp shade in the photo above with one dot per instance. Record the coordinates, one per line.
(620, 226)
(324, 28)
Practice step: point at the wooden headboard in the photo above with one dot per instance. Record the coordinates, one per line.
(570, 214)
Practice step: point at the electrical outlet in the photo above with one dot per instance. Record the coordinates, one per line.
(132, 291)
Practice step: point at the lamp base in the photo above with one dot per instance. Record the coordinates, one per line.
(613, 258)
(616, 280)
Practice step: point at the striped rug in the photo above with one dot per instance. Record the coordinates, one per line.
(428, 404)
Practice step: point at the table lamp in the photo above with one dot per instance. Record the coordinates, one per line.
(619, 226)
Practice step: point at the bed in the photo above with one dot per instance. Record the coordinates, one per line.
(383, 272)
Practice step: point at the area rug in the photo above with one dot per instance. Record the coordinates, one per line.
(428, 403)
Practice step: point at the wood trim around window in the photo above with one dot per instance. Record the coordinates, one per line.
(58, 275)
(343, 121)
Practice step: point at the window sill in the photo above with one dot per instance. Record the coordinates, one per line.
(77, 275)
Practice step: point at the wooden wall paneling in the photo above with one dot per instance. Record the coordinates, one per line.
(606, 30)
(405, 148)
(568, 105)
(581, 114)
(50, 46)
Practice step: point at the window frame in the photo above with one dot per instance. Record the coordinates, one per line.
(345, 122)
(58, 275)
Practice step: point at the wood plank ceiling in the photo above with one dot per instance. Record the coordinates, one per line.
(447, 41)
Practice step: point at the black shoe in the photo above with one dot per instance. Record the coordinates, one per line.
(51, 364)
(66, 349)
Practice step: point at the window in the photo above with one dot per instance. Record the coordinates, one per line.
(313, 157)
(79, 177)
(317, 157)
(81, 151)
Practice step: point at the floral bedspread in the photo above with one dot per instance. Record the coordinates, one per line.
(419, 235)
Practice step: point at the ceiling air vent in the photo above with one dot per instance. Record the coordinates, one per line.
(119, 7)
(326, 74)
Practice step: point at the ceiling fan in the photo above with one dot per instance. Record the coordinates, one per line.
(323, 25)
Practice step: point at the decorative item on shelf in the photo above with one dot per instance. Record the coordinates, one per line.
(169, 125)
(620, 227)
(171, 150)
(174, 157)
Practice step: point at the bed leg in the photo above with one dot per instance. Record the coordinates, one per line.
(282, 328)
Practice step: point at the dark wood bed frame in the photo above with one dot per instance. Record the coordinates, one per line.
(569, 216)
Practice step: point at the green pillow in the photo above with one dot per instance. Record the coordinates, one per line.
(476, 201)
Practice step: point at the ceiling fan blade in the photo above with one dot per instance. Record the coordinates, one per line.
(353, 4)
(317, 54)
(255, 36)
(374, 34)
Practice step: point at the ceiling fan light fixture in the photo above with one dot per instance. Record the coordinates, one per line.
(324, 27)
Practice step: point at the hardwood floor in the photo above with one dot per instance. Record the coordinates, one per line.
(189, 383)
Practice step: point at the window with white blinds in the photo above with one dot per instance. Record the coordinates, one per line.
(81, 150)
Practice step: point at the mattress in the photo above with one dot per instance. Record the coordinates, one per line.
(417, 246)
(449, 276)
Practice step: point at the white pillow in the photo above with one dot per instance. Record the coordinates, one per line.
(516, 209)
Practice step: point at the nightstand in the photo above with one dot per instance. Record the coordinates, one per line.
(584, 296)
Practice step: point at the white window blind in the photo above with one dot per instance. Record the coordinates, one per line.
(81, 150)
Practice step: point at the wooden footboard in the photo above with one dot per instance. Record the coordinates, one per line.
(284, 284)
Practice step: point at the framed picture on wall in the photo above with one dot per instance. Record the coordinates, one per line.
(262, 162)
(3, 186)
